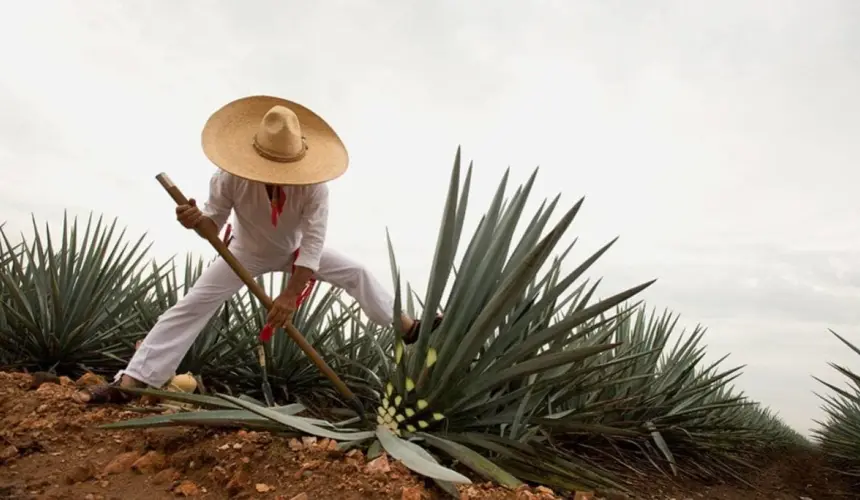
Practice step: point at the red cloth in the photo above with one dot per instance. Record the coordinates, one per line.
(278, 204)
(267, 331)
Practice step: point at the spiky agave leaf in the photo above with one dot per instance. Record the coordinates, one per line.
(415, 460)
(839, 434)
(224, 414)
(474, 372)
(70, 304)
(475, 461)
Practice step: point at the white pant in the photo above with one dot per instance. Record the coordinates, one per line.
(163, 348)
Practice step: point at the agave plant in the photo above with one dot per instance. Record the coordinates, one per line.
(6, 257)
(839, 434)
(69, 305)
(469, 389)
(660, 406)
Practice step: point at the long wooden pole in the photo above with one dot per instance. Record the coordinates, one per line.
(264, 299)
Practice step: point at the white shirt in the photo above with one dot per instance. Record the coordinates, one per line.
(302, 224)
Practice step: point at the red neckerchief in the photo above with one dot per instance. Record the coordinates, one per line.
(278, 198)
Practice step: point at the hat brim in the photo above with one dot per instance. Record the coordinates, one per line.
(228, 142)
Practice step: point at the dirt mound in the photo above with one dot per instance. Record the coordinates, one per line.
(50, 449)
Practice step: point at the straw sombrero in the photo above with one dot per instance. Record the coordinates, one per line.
(275, 141)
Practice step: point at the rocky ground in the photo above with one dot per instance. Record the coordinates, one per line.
(50, 449)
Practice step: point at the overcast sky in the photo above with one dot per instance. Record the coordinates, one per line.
(719, 139)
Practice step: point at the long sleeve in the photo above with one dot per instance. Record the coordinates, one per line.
(220, 201)
(314, 225)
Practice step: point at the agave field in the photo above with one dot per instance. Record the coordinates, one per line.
(536, 374)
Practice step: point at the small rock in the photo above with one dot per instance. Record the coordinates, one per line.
(79, 474)
(300, 496)
(165, 476)
(309, 441)
(89, 378)
(295, 444)
(523, 493)
(187, 489)
(153, 461)
(313, 464)
(307, 467)
(545, 493)
(263, 488)
(66, 382)
(52, 390)
(411, 493)
(122, 463)
(238, 482)
(332, 445)
(219, 475)
(378, 465)
(8, 452)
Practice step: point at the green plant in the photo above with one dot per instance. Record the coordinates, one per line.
(839, 435)
(69, 304)
(6, 257)
(665, 407)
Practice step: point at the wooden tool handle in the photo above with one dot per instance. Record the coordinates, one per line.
(256, 289)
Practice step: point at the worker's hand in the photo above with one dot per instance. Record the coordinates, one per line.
(281, 313)
(189, 215)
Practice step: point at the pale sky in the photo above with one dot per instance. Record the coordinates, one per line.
(718, 139)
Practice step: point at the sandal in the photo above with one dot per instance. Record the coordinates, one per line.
(104, 394)
(411, 336)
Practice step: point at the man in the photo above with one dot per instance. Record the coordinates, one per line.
(274, 158)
